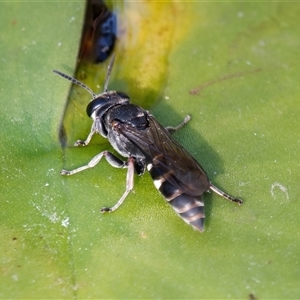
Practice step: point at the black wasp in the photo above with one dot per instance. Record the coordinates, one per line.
(134, 133)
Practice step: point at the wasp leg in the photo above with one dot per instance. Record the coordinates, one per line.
(224, 195)
(172, 129)
(88, 139)
(129, 186)
(110, 158)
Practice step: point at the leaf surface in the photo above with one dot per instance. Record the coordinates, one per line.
(234, 68)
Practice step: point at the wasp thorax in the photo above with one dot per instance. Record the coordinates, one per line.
(129, 114)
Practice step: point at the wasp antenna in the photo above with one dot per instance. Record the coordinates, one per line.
(109, 68)
(73, 80)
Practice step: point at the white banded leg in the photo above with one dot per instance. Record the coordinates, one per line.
(172, 129)
(129, 186)
(88, 139)
(224, 195)
(110, 158)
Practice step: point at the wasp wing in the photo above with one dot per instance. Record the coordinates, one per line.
(168, 157)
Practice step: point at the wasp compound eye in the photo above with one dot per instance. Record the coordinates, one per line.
(96, 104)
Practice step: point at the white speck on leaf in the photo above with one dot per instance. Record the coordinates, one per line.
(65, 222)
(282, 188)
(262, 43)
(15, 277)
(244, 183)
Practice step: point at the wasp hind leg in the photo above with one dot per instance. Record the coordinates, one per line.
(224, 195)
(172, 129)
(129, 186)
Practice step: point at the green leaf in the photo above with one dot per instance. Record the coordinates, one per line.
(234, 68)
(36, 257)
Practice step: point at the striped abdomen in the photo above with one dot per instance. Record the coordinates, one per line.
(189, 207)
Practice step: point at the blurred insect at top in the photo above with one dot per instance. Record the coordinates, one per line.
(99, 33)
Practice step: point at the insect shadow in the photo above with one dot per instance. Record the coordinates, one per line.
(197, 146)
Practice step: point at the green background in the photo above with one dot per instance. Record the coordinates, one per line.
(243, 61)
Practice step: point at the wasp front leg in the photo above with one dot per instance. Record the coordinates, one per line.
(172, 129)
(88, 139)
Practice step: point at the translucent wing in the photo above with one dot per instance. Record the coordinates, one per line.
(168, 157)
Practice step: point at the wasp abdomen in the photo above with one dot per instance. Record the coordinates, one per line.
(189, 208)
